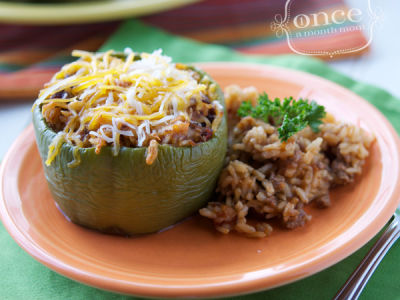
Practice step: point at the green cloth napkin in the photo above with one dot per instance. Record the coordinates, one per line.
(24, 278)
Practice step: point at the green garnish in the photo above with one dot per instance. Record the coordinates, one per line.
(289, 115)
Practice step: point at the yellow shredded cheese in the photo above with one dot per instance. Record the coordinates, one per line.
(77, 159)
(54, 147)
(112, 96)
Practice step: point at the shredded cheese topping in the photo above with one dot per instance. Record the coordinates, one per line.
(128, 99)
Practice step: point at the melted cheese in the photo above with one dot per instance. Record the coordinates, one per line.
(139, 95)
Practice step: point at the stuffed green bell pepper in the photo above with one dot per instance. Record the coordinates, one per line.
(131, 143)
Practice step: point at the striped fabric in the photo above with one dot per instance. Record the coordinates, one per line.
(29, 55)
(246, 25)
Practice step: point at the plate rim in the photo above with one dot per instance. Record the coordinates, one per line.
(242, 287)
(82, 12)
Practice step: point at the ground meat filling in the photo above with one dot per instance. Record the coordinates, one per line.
(129, 100)
(265, 178)
(198, 130)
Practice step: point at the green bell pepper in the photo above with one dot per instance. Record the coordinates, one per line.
(122, 194)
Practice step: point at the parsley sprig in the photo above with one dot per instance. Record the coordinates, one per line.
(289, 115)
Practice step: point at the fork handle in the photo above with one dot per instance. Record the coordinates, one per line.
(358, 279)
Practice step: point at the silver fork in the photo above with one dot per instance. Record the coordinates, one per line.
(359, 278)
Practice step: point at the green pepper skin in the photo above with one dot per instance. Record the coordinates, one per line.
(122, 194)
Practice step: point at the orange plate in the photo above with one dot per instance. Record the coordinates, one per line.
(191, 259)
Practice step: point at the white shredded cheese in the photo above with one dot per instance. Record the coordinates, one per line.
(140, 95)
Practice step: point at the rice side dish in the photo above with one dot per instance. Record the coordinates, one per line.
(266, 178)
